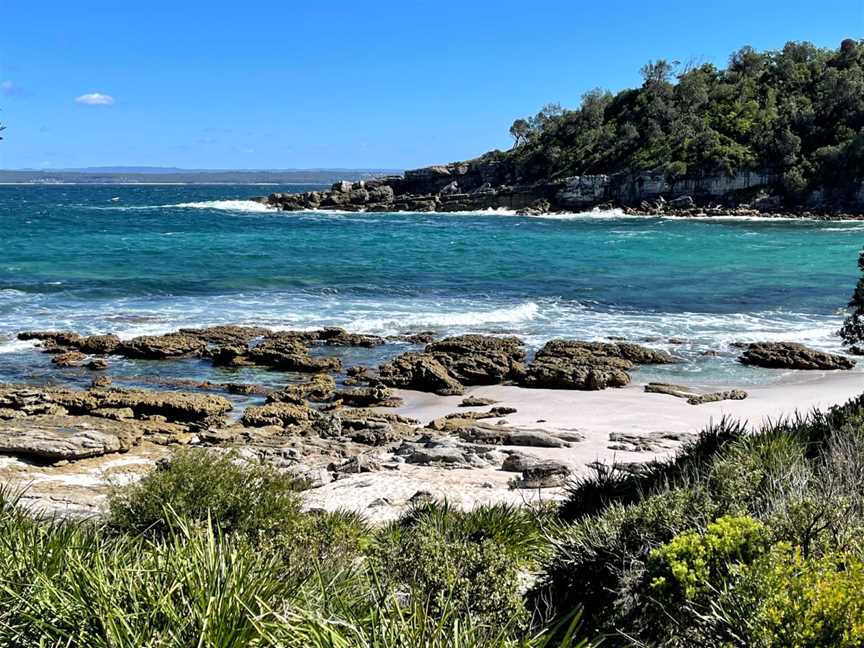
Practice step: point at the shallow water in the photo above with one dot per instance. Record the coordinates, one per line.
(147, 259)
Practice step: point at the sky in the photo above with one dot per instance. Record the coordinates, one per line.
(270, 84)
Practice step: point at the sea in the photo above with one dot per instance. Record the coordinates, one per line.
(146, 259)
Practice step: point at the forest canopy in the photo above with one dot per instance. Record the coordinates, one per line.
(797, 112)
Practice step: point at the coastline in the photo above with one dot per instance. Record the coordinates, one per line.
(595, 415)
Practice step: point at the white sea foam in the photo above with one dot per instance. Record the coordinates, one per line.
(226, 205)
(446, 320)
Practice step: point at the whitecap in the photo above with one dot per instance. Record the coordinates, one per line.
(226, 205)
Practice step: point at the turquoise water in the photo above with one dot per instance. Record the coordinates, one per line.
(146, 259)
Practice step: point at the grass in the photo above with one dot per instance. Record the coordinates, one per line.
(179, 562)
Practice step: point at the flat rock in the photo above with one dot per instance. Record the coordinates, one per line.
(159, 347)
(476, 401)
(68, 438)
(509, 436)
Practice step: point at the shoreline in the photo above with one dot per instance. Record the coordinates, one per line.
(627, 410)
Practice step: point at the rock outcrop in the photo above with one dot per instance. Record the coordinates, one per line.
(790, 355)
(66, 438)
(571, 364)
(495, 181)
(419, 371)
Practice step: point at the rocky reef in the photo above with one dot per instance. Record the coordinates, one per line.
(493, 182)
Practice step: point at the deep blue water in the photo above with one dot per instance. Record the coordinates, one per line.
(141, 259)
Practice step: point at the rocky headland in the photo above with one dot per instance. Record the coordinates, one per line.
(492, 183)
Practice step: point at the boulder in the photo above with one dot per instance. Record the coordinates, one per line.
(59, 438)
(480, 359)
(519, 461)
(563, 364)
(544, 474)
(419, 371)
(791, 355)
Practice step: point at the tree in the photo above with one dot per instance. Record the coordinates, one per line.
(656, 72)
(519, 131)
(852, 331)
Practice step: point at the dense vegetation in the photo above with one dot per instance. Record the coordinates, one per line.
(743, 539)
(797, 112)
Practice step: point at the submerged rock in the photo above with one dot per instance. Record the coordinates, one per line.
(791, 355)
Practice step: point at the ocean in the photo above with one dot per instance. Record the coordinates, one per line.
(144, 259)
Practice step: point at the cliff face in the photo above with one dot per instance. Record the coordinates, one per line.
(490, 183)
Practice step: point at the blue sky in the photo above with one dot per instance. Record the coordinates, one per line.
(279, 84)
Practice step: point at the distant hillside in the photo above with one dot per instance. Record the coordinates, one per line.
(122, 175)
(797, 113)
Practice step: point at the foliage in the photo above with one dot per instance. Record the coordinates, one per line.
(81, 584)
(650, 553)
(785, 599)
(197, 485)
(691, 563)
(852, 330)
(470, 561)
(797, 112)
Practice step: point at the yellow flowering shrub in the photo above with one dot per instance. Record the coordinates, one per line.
(691, 562)
(806, 603)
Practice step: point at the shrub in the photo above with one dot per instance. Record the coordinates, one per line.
(597, 562)
(693, 563)
(197, 485)
(787, 600)
(463, 563)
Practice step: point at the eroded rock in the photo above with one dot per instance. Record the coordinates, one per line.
(791, 355)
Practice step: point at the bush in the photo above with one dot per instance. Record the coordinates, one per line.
(693, 563)
(787, 600)
(597, 563)
(462, 563)
(197, 485)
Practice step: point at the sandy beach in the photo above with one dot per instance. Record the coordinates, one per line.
(595, 415)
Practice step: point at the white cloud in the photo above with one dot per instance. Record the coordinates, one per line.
(95, 99)
(9, 88)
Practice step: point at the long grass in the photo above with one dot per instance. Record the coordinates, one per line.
(309, 581)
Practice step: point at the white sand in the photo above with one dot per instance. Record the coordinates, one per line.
(593, 414)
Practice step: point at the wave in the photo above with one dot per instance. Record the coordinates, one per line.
(438, 319)
(225, 205)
